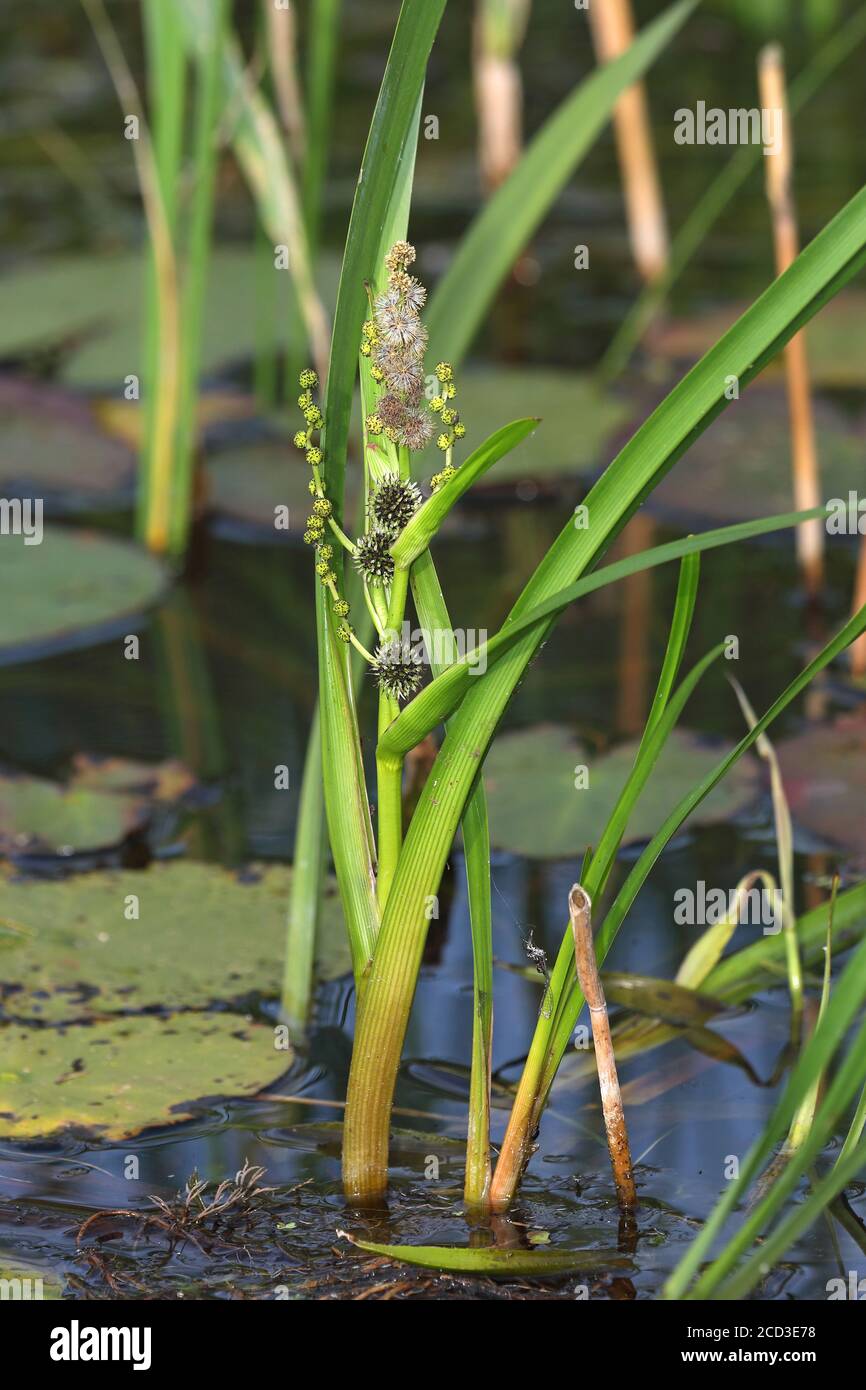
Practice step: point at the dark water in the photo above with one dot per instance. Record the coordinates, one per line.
(245, 613)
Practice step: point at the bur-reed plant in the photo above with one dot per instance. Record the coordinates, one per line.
(388, 881)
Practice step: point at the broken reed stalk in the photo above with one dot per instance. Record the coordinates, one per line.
(499, 29)
(580, 912)
(779, 171)
(612, 26)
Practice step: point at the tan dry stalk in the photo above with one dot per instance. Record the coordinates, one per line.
(283, 56)
(612, 26)
(580, 912)
(779, 170)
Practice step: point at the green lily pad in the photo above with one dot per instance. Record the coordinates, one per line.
(104, 800)
(836, 340)
(824, 772)
(23, 1281)
(93, 305)
(536, 809)
(578, 420)
(202, 935)
(250, 482)
(74, 588)
(741, 467)
(54, 449)
(120, 1076)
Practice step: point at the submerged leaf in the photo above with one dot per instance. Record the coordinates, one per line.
(536, 809)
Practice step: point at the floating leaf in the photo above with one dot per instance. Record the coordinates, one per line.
(25, 1281)
(103, 802)
(663, 999)
(93, 305)
(119, 1076)
(495, 1262)
(740, 468)
(824, 773)
(535, 808)
(73, 589)
(249, 482)
(54, 450)
(202, 934)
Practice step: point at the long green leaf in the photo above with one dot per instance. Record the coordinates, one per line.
(441, 697)
(496, 1263)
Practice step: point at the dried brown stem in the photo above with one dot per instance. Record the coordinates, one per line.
(580, 911)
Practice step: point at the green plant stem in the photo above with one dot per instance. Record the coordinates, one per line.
(207, 109)
(307, 878)
(390, 770)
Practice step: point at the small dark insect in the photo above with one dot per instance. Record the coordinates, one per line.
(537, 956)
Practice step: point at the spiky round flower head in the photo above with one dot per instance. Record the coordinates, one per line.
(344, 632)
(308, 380)
(311, 537)
(459, 430)
(366, 350)
(444, 371)
(401, 255)
(326, 552)
(328, 578)
(402, 374)
(394, 502)
(314, 458)
(437, 403)
(376, 373)
(301, 440)
(341, 608)
(311, 485)
(322, 568)
(368, 332)
(374, 424)
(411, 291)
(323, 507)
(392, 410)
(314, 417)
(449, 416)
(449, 390)
(397, 668)
(392, 433)
(315, 523)
(417, 430)
(372, 556)
(443, 442)
(397, 324)
(305, 400)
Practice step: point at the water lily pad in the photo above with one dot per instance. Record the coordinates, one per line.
(53, 449)
(577, 421)
(741, 467)
(836, 340)
(120, 1076)
(74, 588)
(202, 934)
(824, 772)
(536, 809)
(93, 305)
(250, 482)
(103, 801)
